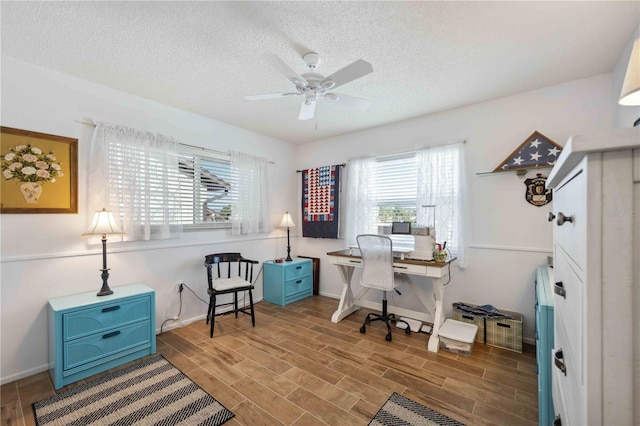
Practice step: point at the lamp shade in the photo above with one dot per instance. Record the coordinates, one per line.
(103, 224)
(630, 93)
(287, 221)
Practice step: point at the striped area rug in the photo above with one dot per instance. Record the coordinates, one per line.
(151, 392)
(399, 410)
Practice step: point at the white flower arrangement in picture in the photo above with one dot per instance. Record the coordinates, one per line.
(31, 167)
(26, 163)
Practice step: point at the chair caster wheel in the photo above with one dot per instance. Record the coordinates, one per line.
(388, 337)
(407, 331)
(363, 329)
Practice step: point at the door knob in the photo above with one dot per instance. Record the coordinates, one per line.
(562, 219)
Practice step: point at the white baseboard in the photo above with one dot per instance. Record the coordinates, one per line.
(183, 323)
(23, 374)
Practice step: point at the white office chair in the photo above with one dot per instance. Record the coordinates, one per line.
(377, 272)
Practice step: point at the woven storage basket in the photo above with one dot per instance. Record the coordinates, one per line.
(471, 319)
(505, 333)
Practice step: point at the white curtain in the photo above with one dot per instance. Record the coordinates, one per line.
(249, 208)
(135, 174)
(361, 199)
(442, 182)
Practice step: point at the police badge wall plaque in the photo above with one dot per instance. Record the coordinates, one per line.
(537, 194)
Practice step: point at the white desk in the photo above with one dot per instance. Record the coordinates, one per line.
(434, 312)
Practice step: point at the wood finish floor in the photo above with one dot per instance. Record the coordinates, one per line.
(298, 368)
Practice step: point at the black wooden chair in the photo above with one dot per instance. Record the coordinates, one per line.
(229, 273)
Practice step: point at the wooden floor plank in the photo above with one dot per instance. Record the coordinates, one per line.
(296, 367)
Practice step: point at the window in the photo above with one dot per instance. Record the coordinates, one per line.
(157, 186)
(396, 188)
(395, 192)
(205, 189)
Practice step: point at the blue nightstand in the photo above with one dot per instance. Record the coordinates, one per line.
(288, 282)
(90, 334)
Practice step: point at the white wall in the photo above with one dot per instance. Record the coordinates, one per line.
(509, 237)
(43, 255)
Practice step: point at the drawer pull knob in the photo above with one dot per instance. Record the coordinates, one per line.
(298, 267)
(355, 261)
(111, 308)
(559, 289)
(550, 216)
(298, 282)
(112, 334)
(557, 421)
(562, 219)
(400, 267)
(558, 360)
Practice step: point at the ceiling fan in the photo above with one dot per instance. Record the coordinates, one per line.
(314, 86)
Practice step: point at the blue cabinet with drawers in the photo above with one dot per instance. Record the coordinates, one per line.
(288, 282)
(90, 334)
(544, 343)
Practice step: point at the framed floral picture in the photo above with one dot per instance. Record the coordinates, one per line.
(39, 172)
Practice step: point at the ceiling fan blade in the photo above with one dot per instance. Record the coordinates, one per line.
(349, 101)
(307, 110)
(285, 70)
(269, 96)
(358, 69)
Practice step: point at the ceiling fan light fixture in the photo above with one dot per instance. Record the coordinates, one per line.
(311, 98)
(314, 85)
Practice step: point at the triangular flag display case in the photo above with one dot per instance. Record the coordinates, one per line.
(536, 152)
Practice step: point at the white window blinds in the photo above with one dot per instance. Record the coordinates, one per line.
(395, 188)
(156, 186)
(206, 180)
(135, 174)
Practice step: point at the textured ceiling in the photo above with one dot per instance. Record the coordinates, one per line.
(205, 57)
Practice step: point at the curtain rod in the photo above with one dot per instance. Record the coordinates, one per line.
(464, 142)
(339, 165)
(88, 123)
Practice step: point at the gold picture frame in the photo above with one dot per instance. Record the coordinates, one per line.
(39, 172)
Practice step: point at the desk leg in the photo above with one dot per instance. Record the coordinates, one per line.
(346, 306)
(420, 295)
(438, 317)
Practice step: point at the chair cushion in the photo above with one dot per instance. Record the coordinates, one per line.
(223, 284)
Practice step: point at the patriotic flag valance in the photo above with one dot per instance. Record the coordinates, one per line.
(536, 152)
(320, 202)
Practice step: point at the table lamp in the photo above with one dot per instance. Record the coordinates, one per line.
(630, 93)
(287, 222)
(103, 224)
